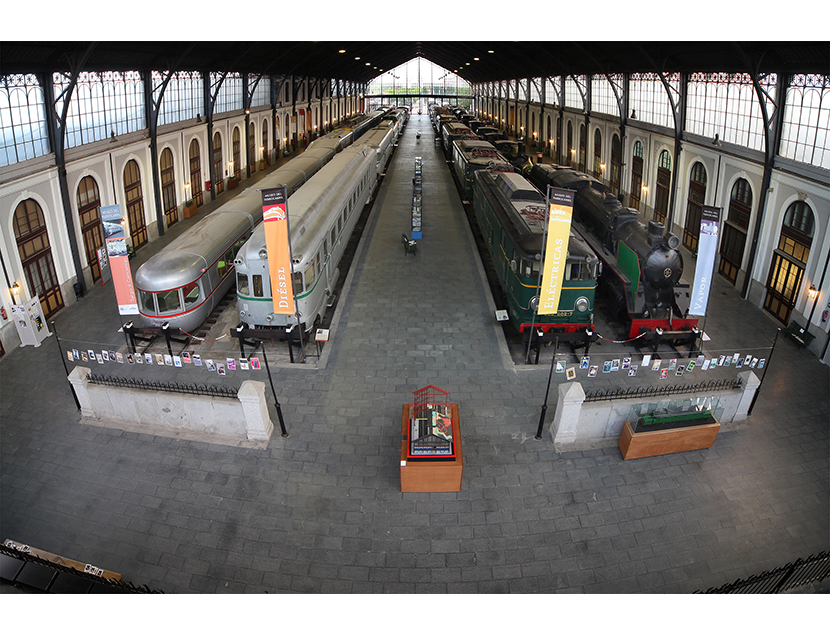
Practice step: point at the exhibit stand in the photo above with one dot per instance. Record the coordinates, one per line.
(670, 427)
(431, 457)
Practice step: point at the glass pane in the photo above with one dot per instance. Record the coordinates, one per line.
(168, 301)
(191, 294)
(242, 284)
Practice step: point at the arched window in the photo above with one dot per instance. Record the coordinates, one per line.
(218, 167)
(135, 204)
(616, 161)
(789, 260)
(168, 187)
(36, 256)
(559, 140)
(662, 187)
(195, 157)
(735, 227)
(89, 211)
(694, 206)
(598, 154)
(636, 175)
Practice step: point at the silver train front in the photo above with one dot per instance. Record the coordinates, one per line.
(184, 281)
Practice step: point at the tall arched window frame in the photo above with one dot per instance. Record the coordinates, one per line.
(89, 212)
(789, 259)
(35, 253)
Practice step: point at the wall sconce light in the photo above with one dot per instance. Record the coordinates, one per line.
(645, 189)
(573, 151)
(16, 289)
(812, 292)
(716, 140)
(198, 118)
(633, 114)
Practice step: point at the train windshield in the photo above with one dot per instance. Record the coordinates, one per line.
(170, 301)
(581, 271)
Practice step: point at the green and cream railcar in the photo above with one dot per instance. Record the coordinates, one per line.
(510, 213)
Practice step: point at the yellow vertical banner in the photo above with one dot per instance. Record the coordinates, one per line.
(560, 212)
(275, 217)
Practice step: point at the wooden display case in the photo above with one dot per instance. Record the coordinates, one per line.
(439, 474)
(637, 445)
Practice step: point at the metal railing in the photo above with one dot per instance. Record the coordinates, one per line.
(635, 392)
(206, 390)
(813, 569)
(122, 585)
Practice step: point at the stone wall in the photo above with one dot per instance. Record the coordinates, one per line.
(242, 422)
(577, 424)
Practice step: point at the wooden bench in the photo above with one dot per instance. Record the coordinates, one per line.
(409, 246)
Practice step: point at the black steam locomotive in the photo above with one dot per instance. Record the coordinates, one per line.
(642, 265)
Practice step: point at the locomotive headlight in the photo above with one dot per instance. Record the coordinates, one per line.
(581, 304)
(672, 241)
(534, 302)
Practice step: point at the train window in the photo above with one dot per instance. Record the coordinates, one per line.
(147, 302)
(242, 284)
(339, 225)
(317, 260)
(168, 301)
(333, 237)
(221, 268)
(297, 280)
(257, 279)
(325, 247)
(191, 294)
(309, 275)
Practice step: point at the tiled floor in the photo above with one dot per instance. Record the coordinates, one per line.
(322, 511)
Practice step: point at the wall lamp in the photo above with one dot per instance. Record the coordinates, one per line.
(812, 292)
(16, 289)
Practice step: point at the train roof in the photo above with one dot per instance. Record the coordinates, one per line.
(196, 249)
(524, 206)
(569, 178)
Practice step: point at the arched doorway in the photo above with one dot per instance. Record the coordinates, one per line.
(168, 187)
(266, 155)
(789, 260)
(571, 150)
(252, 147)
(218, 167)
(694, 206)
(135, 204)
(36, 256)
(89, 211)
(597, 154)
(195, 173)
(616, 160)
(636, 175)
(583, 149)
(733, 238)
(236, 148)
(662, 187)
(277, 137)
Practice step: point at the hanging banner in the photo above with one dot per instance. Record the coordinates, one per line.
(275, 218)
(561, 207)
(707, 248)
(119, 261)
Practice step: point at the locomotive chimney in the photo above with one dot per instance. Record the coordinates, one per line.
(655, 232)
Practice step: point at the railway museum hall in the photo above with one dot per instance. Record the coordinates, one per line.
(173, 132)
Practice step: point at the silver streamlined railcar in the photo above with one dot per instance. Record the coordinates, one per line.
(183, 282)
(322, 216)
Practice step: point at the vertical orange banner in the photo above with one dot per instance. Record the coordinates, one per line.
(275, 217)
(561, 207)
(119, 261)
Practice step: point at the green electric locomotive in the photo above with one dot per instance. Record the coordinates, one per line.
(510, 213)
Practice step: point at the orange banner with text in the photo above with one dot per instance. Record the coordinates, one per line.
(275, 217)
(561, 207)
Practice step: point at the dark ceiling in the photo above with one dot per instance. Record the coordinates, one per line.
(473, 61)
